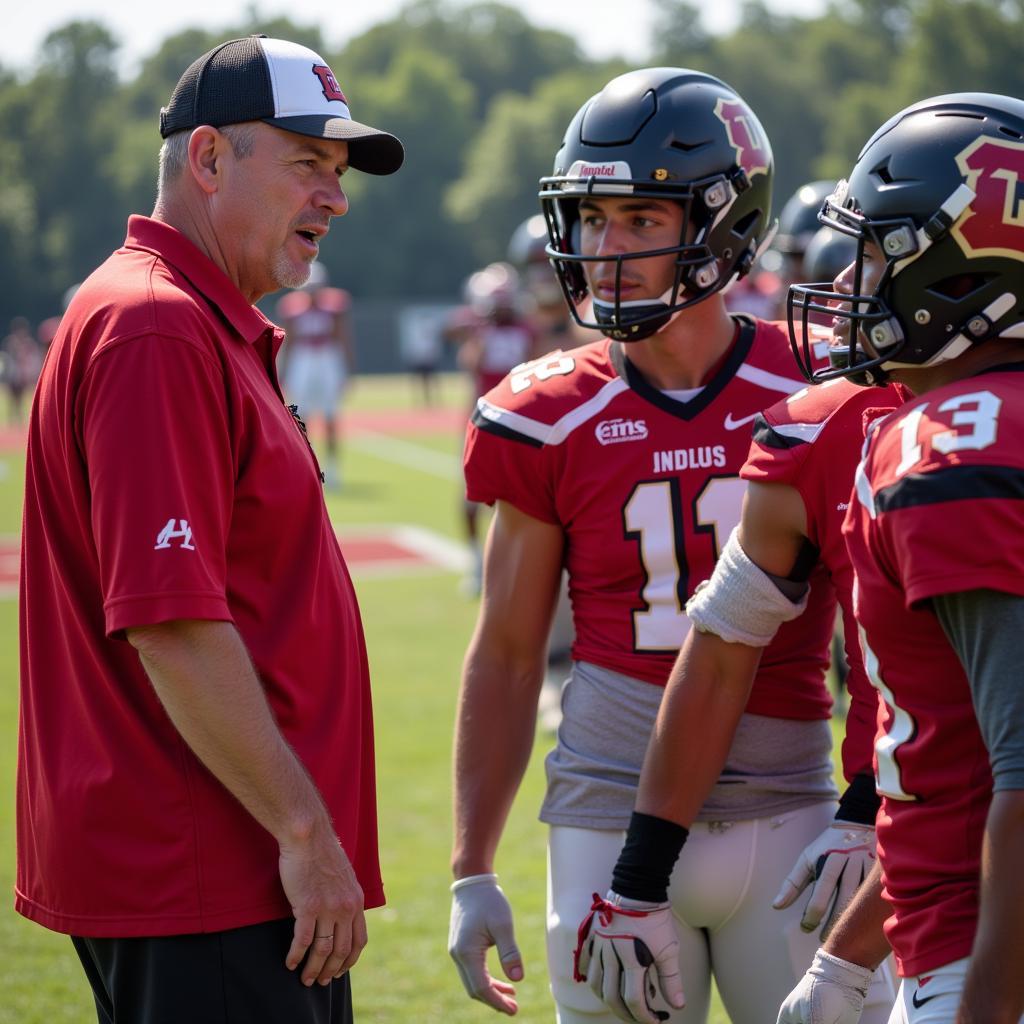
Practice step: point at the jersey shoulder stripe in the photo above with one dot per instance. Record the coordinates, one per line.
(836, 405)
(494, 419)
(768, 380)
(952, 483)
(785, 435)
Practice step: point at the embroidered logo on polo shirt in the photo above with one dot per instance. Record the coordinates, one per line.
(183, 532)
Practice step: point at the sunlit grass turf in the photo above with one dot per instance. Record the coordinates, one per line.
(417, 629)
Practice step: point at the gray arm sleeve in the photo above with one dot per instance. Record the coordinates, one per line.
(984, 628)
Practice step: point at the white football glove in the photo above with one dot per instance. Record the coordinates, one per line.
(836, 862)
(481, 918)
(831, 992)
(628, 952)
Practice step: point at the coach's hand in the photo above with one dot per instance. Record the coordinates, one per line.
(327, 902)
(836, 862)
(481, 918)
(831, 992)
(628, 952)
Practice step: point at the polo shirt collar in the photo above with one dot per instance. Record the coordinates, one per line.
(206, 277)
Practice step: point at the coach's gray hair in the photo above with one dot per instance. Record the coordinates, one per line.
(174, 151)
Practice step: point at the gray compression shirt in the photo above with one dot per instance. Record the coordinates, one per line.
(984, 628)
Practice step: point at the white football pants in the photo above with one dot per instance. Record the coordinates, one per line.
(721, 891)
(932, 998)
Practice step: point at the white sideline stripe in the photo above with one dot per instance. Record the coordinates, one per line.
(769, 380)
(408, 454)
(559, 431)
(443, 551)
(440, 554)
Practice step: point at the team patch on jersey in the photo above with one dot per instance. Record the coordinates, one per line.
(618, 430)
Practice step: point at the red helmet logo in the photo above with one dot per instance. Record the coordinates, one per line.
(745, 136)
(330, 84)
(993, 224)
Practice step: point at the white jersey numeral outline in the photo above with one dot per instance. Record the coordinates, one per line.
(974, 429)
(553, 365)
(653, 516)
(902, 727)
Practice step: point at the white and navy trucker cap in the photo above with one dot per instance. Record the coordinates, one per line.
(283, 84)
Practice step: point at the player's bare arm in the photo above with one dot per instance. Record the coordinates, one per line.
(495, 721)
(206, 682)
(711, 680)
(994, 987)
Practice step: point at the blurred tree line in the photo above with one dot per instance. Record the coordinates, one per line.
(480, 97)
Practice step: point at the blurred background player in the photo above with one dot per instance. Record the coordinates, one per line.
(555, 330)
(318, 358)
(798, 224)
(493, 335)
(21, 359)
(421, 346)
(620, 460)
(935, 300)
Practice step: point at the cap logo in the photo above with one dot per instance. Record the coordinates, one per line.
(329, 83)
(993, 223)
(745, 136)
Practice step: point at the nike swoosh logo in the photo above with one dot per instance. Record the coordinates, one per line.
(731, 424)
(918, 1003)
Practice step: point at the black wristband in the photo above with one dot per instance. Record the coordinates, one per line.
(859, 804)
(648, 856)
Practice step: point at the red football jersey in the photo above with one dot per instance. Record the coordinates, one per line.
(312, 318)
(647, 489)
(502, 347)
(937, 511)
(812, 441)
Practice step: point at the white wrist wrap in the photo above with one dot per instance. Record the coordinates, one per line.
(461, 883)
(740, 603)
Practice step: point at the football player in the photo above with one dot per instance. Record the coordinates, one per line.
(935, 299)
(319, 357)
(493, 335)
(801, 470)
(621, 459)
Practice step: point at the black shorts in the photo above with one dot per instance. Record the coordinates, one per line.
(230, 977)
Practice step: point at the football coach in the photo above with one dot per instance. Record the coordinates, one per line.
(196, 799)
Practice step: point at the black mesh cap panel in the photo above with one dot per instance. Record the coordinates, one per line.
(228, 85)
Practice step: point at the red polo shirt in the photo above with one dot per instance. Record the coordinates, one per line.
(167, 480)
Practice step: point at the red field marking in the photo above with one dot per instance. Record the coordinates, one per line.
(10, 560)
(371, 549)
(13, 439)
(374, 552)
(407, 421)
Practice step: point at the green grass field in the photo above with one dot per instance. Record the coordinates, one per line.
(417, 627)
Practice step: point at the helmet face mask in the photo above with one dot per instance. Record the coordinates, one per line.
(927, 196)
(671, 135)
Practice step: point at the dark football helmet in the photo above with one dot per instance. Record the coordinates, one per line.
(527, 252)
(669, 134)
(798, 221)
(935, 189)
(829, 253)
